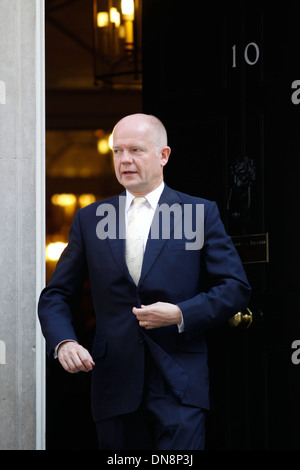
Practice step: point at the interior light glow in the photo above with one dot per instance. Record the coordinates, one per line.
(102, 19)
(63, 199)
(86, 199)
(115, 17)
(54, 250)
(127, 7)
(103, 146)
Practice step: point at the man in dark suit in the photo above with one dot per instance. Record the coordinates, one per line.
(152, 305)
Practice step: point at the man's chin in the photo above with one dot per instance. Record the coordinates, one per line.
(135, 189)
(131, 182)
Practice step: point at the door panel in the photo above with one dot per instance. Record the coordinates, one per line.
(221, 80)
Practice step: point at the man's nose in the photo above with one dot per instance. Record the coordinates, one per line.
(126, 157)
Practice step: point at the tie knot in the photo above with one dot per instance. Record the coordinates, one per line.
(138, 201)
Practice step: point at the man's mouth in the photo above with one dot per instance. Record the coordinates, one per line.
(129, 172)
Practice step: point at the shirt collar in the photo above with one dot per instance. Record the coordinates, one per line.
(152, 197)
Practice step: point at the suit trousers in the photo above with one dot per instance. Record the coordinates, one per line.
(161, 422)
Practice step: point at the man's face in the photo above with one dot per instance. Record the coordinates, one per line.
(138, 161)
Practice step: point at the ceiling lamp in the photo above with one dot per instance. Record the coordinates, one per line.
(116, 35)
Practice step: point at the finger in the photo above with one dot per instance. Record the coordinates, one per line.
(142, 310)
(82, 360)
(75, 363)
(86, 360)
(144, 324)
(147, 325)
(68, 365)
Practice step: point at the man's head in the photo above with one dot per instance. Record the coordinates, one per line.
(140, 152)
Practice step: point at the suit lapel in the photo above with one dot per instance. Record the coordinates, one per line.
(117, 244)
(156, 245)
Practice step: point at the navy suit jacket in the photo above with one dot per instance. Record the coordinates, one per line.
(208, 284)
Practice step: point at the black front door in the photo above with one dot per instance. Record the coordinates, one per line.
(224, 79)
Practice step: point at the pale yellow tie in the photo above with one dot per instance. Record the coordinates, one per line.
(134, 240)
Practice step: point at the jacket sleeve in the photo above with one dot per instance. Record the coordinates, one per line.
(63, 291)
(228, 290)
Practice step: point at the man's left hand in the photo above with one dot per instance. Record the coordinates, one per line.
(157, 315)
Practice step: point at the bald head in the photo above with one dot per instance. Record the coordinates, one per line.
(157, 131)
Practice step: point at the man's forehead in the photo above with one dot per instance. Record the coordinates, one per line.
(132, 125)
(131, 133)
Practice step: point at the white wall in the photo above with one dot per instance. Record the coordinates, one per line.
(21, 223)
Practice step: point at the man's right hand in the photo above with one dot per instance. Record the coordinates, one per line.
(74, 357)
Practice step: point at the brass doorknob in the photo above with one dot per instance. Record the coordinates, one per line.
(243, 318)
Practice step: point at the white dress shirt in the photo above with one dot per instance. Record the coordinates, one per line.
(146, 211)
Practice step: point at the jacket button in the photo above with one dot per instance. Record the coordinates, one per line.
(140, 340)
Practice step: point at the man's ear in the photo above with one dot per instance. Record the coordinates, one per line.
(165, 153)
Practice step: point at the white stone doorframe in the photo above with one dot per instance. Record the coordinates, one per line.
(40, 221)
(22, 223)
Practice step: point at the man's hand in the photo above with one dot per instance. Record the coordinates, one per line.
(157, 315)
(74, 358)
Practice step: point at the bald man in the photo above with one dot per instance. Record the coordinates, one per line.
(149, 254)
